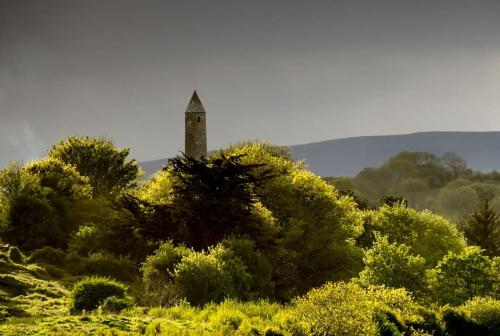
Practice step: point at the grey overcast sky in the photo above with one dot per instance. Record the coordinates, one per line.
(289, 72)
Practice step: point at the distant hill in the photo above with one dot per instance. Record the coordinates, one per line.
(151, 167)
(348, 156)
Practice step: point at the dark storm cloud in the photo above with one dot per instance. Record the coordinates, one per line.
(286, 71)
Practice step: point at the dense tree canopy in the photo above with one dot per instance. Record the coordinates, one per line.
(394, 266)
(426, 234)
(250, 223)
(217, 197)
(107, 167)
(37, 203)
(61, 178)
(459, 277)
(257, 186)
(316, 223)
(443, 184)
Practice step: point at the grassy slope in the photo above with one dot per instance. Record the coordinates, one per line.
(34, 302)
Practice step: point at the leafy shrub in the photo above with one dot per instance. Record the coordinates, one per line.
(424, 320)
(426, 234)
(201, 278)
(48, 255)
(393, 265)
(158, 272)
(115, 304)
(15, 255)
(316, 223)
(485, 312)
(335, 309)
(257, 265)
(107, 265)
(204, 277)
(349, 309)
(38, 203)
(459, 277)
(229, 318)
(89, 293)
(61, 178)
(388, 323)
(105, 166)
(458, 324)
(113, 227)
(37, 271)
(32, 223)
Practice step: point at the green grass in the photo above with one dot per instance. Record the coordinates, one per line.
(75, 325)
(34, 301)
(28, 291)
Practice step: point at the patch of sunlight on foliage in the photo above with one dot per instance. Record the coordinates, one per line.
(335, 309)
(159, 189)
(105, 325)
(26, 290)
(393, 265)
(484, 311)
(428, 235)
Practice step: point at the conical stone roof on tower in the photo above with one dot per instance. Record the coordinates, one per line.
(195, 104)
(196, 129)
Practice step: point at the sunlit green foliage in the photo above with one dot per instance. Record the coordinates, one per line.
(394, 266)
(459, 277)
(317, 225)
(245, 224)
(291, 214)
(478, 316)
(89, 293)
(25, 291)
(48, 256)
(335, 309)
(113, 304)
(426, 234)
(37, 203)
(348, 309)
(61, 178)
(107, 167)
(158, 273)
(485, 311)
(203, 277)
(257, 265)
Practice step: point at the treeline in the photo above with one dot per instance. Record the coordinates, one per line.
(443, 184)
(249, 223)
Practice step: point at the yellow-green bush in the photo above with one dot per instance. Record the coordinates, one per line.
(48, 256)
(485, 311)
(428, 235)
(461, 276)
(89, 293)
(335, 309)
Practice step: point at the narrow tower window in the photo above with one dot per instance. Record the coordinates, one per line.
(198, 119)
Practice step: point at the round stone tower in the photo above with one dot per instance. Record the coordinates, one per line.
(196, 129)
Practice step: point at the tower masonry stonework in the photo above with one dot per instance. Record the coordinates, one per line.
(196, 129)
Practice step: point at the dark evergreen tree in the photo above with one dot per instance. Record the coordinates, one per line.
(215, 198)
(482, 228)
